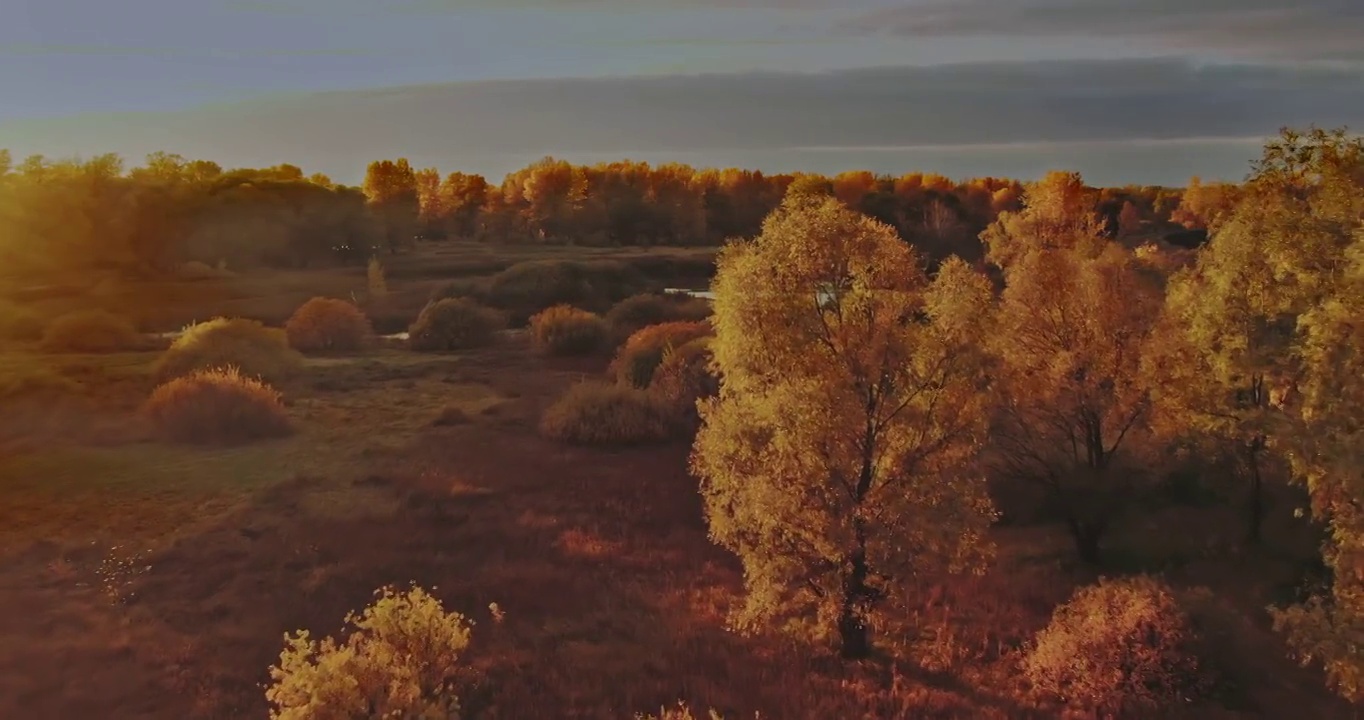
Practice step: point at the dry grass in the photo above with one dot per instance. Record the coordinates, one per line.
(640, 356)
(566, 330)
(18, 323)
(598, 413)
(455, 324)
(91, 331)
(217, 407)
(328, 325)
(251, 347)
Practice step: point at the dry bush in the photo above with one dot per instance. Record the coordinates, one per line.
(217, 407)
(684, 377)
(16, 323)
(640, 311)
(251, 347)
(35, 382)
(455, 324)
(403, 658)
(529, 287)
(91, 331)
(681, 712)
(1118, 647)
(639, 357)
(566, 330)
(598, 413)
(328, 325)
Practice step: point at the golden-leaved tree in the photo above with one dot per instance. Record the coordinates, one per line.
(838, 460)
(1074, 316)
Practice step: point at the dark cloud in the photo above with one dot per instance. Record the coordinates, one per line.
(1269, 29)
(869, 117)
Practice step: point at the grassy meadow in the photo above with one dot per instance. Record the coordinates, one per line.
(141, 578)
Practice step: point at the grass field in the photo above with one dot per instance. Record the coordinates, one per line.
(143, 580)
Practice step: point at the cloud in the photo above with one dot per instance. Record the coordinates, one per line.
(38, 49)
(1119, 116)
(1270, 29)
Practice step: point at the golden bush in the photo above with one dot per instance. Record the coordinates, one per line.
(566, 330)
(217, 407)
(684, 377)
(454, 324)
(645, 309)
(1121, 646)
(402, 658)
(324, 325)
(598, 413)
(251, 347)
(91, 331)
(680, 712)
(639, 357)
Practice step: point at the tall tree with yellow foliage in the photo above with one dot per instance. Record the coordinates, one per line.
(839, 459)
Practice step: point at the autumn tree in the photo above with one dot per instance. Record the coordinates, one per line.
(1074, 317)
(1205, 205)
(839, 458)
(391, 187)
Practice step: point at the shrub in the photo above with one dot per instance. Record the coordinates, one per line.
(91, 331)
(251, 347)
(465, 288)
(35, 382)
(402, 658)
(529, 287)
(217, 406)
(16, 323)
(640, 356)
(684, 377)
(566, 330)
(597, 413)
(640, 311)
(680, 712)
(457, 324)
(1117, 647)
(375, 280)
(327, 325)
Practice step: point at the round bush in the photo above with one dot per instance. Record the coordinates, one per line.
(529, 287)
(640, 356)
(454, 324)
(640, 311)
(402, 658)
(1117, 647)
(251, 347)
(684, 377)
(324, 325)
(16, 323)
(566, 330)
(91, 331)
(216, 407)
(597, 413)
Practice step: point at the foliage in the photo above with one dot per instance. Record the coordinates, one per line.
(1074, 320)
(566, 330)
(529, 287)
(598, 413)
(680, 712)
(639, 311)
(838, 460)
(251, 347)
(640, 355)
(685, 377)
(374, 279)
(328, 325)
(90, 331)
(1121, 646)
(219, 406)
(456, 324)
(403, 657)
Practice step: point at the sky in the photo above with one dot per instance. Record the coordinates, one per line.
(1122, 90)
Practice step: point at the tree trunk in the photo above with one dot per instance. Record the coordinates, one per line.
(854, 638)
(1255, 516)
(1086, 537)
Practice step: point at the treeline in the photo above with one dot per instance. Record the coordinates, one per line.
(74, 215)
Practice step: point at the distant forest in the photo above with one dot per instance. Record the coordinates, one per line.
(72, 216)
